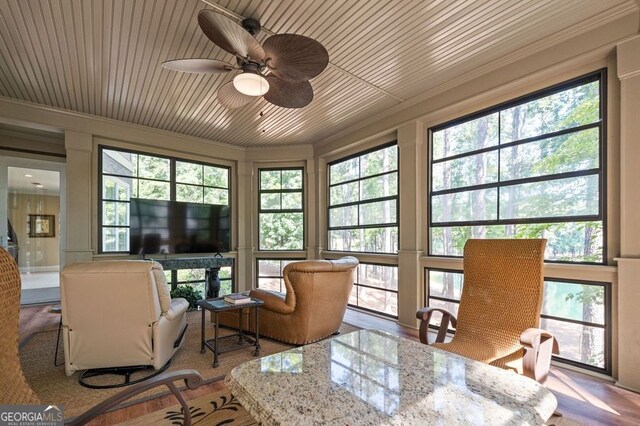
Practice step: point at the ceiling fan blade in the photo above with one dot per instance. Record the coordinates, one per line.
(198, 65)
(229, 97)
(228, 35)
(288, 94)
(295, 57)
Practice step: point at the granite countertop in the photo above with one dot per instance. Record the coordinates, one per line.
(373, 377)
(193, 262)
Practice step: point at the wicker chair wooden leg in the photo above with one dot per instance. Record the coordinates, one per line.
(424, 315)
(539, 346)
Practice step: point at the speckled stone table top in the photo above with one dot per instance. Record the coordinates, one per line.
(373, 377)
(194, 262)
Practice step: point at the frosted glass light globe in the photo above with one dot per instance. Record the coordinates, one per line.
(251, 84)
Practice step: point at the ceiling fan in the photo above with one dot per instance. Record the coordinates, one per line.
(279, 70)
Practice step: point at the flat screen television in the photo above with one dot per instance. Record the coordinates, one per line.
(170, 227)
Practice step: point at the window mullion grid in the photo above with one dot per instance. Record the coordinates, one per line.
(518, 221)
(358, 179)
(524, 141)
(368, 226)
(138, 175)
(369, 201)
(520, 181)
(280, 211)
(499, 165)
(202, 181)
(359, 188)
(172, 179)
(280, 191)
(360, 202)
(388, 290)
(444, 299)
(281, 187)
(573, 321)
(135, 177)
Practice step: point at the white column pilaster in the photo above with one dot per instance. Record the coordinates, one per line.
(311, 231)
(410, 143)
(628, 56)
(79, 147)
(320, 225)
(244, 264)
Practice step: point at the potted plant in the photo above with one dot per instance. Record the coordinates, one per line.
(187, 292)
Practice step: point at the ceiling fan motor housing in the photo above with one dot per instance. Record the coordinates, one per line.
(252, 26)
(251, 66)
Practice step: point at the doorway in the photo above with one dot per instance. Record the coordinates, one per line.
(34, 220)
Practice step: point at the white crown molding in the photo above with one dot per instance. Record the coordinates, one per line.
(615, 14)
(108, 128)
(37, 116)
(279, 153)
(16, 134)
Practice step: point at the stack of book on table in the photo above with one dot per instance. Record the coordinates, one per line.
(237, 298)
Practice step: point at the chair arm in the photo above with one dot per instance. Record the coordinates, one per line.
(539, 346)
(192, 380)
(272, 301)
(424, 315)
(177, 308)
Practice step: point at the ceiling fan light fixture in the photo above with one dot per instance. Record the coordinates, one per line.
(251, 84)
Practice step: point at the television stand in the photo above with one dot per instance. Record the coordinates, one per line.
(212, 266)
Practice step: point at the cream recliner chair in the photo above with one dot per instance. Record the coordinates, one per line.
(118, 314)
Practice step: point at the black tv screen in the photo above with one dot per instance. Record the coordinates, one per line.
(175, 227)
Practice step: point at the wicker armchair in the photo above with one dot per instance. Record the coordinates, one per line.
(499, 308)
(16, 390)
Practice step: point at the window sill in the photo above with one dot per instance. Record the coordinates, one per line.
(579, 271)
(386, 259)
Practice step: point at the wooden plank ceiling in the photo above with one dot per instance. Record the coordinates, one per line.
(103, 57)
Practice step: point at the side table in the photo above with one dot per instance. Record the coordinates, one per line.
(217, 305)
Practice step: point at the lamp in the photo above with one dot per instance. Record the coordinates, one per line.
(251, 84)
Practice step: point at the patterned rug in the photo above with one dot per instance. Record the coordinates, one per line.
(220, 408)
(53, 387)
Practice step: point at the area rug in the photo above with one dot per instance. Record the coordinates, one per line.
(53, 387)
(219, 408)
(222, 408)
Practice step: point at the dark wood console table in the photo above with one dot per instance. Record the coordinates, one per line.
(211, 264)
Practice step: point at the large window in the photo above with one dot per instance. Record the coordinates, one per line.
(527, 169)
(127, 174)
(376, 289)
(363, 202)
(270, 273)
(577, 313)
(281, 211)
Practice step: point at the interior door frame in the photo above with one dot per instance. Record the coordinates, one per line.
(23, 162)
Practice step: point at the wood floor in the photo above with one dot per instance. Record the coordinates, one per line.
(581, 397)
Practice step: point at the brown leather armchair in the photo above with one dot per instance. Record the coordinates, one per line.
(499, 308)
(313, 307)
